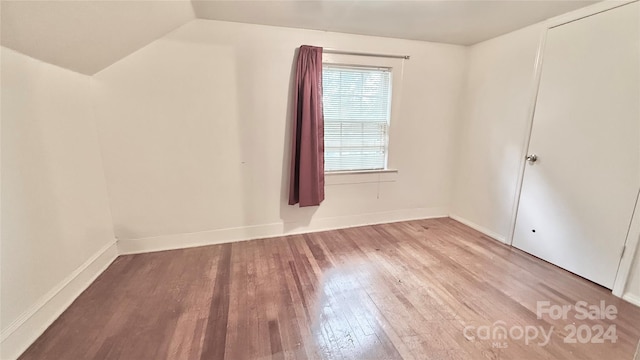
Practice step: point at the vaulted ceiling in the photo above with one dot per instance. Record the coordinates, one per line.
(86, 36)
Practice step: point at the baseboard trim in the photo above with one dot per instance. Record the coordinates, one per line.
(18, 336)
(212, 237)
(632, 298)
(479, 228)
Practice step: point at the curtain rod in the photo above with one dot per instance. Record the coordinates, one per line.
(334, 51)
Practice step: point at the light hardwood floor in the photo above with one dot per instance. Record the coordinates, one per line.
(403, 290)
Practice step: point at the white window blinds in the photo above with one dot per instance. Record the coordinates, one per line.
(357, 107)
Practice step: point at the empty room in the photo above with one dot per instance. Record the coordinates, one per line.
(324, 179)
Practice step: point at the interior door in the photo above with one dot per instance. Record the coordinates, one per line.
(579, 190)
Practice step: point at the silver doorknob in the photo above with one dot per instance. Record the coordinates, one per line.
(532, 158)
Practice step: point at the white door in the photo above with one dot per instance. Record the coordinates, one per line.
(577, 199)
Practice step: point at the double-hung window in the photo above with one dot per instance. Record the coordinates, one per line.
(357, 111)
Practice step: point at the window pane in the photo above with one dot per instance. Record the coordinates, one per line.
(357, 104)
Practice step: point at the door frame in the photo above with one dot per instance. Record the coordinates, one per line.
(633, 234)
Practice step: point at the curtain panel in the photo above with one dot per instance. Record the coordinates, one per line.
(306, 185)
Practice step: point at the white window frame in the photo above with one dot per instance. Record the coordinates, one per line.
(389, 173)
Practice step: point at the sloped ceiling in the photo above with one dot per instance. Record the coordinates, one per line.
(450, 21)
(88, 35)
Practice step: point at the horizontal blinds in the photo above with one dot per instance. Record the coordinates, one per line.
(357, 104)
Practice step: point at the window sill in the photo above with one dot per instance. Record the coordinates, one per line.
(360, 176)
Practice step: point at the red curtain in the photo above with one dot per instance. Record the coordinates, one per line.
(306, 184)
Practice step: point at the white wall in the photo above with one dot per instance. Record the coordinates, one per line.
(195, 140)
(491, 132)
(195, 135)
(55, 212)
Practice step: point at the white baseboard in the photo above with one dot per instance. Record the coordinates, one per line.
(18, 336)
(479, 228)
(632, 298)
(179, 241)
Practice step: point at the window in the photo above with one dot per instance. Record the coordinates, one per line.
(357, 110)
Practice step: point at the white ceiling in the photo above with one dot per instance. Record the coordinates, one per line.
(462, 22)
(88, 35)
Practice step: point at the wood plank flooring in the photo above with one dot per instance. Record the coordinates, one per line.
(396, 291)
